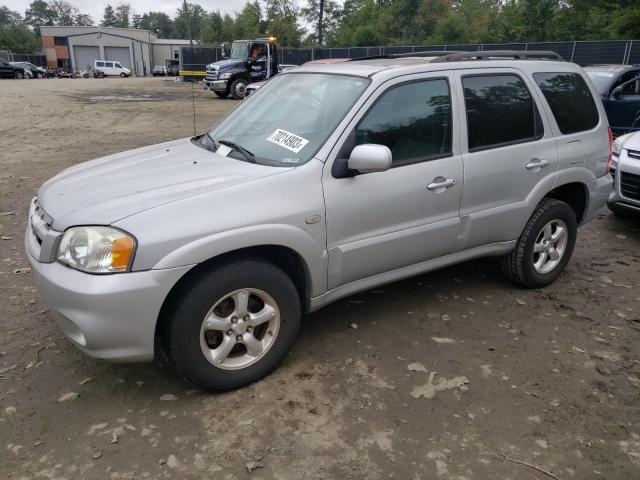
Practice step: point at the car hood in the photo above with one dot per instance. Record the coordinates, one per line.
(228, 63)
(103, 191)
(633, 142)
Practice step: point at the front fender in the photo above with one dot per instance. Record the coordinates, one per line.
(296, 239)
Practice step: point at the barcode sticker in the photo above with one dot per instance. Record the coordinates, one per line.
(287, 140)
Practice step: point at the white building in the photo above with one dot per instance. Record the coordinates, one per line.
(76, 48)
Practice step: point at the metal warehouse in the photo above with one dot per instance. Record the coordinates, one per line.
(76, 48)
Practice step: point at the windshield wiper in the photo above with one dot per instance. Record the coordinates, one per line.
(250, 157)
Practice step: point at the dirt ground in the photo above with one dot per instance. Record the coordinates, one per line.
(529, 384)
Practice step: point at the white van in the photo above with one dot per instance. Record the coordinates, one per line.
(111, 68)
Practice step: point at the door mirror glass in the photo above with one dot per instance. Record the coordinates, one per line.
(616, 92)
(369, 158)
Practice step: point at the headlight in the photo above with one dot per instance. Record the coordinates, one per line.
(617, 145)
(224, 76)
(97, 249)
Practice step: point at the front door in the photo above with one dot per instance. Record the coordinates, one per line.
(258, 61)
(378, 222)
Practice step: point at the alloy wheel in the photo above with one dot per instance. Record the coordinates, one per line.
(240, 329)
(550, 246)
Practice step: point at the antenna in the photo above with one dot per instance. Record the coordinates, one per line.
(193, 103)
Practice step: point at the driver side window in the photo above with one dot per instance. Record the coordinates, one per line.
(413, 120)
(631, 88)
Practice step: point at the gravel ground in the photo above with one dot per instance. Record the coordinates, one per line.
(510, 383)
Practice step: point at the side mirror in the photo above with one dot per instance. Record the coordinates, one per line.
(369, 158)
(616, 92)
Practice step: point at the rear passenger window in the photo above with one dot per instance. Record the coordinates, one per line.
(500, 111)
(99, 64)
(413, 120)
(570, 100)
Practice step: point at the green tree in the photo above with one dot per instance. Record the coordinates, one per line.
(248, 23)
(9, 17)
(122, 15)
(157, 22)
(451, 29)
(109, 18)
(39, 13)
(282, 22)
(324, 16)
(18, 39)
(212, 28)
(136, 21)
(189, 15)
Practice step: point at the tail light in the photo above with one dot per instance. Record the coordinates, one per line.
(608, 169)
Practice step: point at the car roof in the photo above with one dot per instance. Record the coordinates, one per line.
(391, 67)
(610, 67)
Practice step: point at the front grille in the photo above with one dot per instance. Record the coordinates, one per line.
(634, 154)
(630, 185)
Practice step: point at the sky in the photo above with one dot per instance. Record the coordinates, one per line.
(96, 8)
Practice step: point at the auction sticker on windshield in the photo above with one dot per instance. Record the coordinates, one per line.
(287, 140)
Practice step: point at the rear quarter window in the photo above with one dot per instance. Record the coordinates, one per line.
(570, 101)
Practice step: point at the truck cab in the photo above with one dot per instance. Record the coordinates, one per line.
(249, 61)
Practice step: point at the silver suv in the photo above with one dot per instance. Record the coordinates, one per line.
(329, 180)
(625, 198)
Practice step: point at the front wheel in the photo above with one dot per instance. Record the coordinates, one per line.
(544, 247)
(238, 88)
(123, 75)
(233, 324)
(40, 75)
(19, 75)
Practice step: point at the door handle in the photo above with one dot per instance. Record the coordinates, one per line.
(440, 184)
(536, 164)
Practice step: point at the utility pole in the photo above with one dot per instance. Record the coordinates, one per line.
(185, 7)
(320, 18)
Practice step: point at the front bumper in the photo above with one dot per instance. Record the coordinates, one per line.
(217, 85)
(629, 168)
(106, 316)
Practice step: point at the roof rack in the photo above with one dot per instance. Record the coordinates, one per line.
(500, 54)
(435, 53)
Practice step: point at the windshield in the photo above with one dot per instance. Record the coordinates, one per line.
(289, 118)
(601, 78)
(239, 50)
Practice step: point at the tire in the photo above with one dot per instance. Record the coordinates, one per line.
(238, 88)
(40, 75)
(523, 265)
(185, 336)
(221, 94)
(19, 75)
(123, 75)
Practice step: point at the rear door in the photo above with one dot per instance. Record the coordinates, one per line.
(509, 153)
(580, 130)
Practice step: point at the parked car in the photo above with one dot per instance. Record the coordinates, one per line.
(108, 68)
(12, 71)
(159, 71)
(35, 71)
(619, 88)
(625, 169)
(327, 181)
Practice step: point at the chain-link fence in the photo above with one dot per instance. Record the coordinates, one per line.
(580, 52)
(36, 59)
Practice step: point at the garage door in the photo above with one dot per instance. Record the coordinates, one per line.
(118, 54)
(84, 57)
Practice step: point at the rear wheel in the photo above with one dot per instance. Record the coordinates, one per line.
(221, 94)
(238, 88)
(544, 247)
(233, 325)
